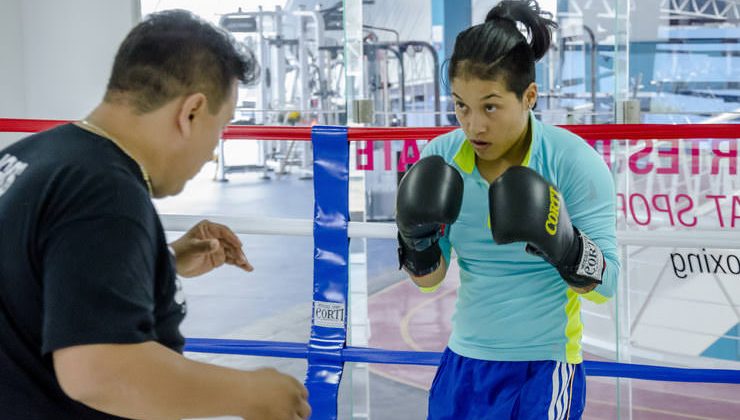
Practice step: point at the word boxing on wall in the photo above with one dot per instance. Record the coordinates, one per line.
(714, 263)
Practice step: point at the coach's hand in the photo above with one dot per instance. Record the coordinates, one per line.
(206, 246)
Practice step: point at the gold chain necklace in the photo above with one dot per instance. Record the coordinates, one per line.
(102, 133)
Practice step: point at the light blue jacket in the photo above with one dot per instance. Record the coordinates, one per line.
(511, 305)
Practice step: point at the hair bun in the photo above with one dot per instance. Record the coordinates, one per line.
(537, 22)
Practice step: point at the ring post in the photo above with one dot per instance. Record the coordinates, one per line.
(331, 271)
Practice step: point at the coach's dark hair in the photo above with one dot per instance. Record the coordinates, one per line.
(174, 53)
(498, 49)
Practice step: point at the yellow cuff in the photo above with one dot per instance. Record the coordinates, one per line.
(430, 289)
(595, 297)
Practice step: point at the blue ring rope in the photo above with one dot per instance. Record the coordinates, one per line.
(372, 355)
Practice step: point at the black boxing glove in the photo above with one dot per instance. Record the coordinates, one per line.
(429, 197)
(524, 207)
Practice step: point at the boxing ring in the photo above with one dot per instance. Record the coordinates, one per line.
(327, 351)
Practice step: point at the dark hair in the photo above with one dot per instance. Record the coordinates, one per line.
(497, 48)
(174, 53)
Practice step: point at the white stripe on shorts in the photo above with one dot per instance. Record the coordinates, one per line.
(563, 385)
(555, 390)
(566, 392)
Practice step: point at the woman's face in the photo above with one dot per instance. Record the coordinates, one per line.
(493, 118)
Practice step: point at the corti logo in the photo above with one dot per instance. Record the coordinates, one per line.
(551, 225)
(328, 314)
(592, 260)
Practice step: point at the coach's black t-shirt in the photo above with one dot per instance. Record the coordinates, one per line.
(83, 260)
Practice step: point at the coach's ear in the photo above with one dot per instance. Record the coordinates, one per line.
(192, 108)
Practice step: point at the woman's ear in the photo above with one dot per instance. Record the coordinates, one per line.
(530, 95)
(192, 107)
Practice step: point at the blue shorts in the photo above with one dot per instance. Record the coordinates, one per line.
(473, 389)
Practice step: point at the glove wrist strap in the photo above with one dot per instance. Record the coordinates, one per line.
(588, 268)
(418, 263)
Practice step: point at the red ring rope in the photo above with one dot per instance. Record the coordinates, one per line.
(588, 132)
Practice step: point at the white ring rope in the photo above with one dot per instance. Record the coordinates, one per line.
(276, 226)
(681, 239)
(304, 227)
